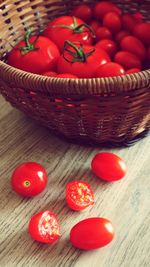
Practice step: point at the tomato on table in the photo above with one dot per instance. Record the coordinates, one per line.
(108, 45)
(83, 12)
(103, 7)
(35, 54)
(108, 166)
(69, 28)
(44, 227)
(110, 69)
(81, 60)
(112, 21)
(128, 60)
(79, 195)
(29, 179)
(92, 233)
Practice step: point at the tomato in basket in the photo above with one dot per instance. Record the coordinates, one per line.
(142, 31)
(44, 227)
(112, 21)
(134, 45)
(108, 45)
(110, 69)
(83, 12)
(128, 60)
(35, 54)
(79, 195)
(59, 75)
(69, 28)
(81, 60)
(29, 179)
(103, 7)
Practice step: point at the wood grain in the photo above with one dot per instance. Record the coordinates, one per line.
(126, 203)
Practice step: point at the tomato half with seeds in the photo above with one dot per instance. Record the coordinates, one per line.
(29, 179)
(44, 227)
(79, 195)
(68, 28)
(108, 166)
(35, 54)
(81, 60)
(92, 233)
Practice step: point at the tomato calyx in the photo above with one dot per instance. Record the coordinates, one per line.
(78, 55)
(29, 46)
(76, 28)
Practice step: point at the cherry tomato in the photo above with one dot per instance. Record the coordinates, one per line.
(44, 227)
(79, 195)
(103, 7)
(128, 60)
(103, 33)
(112, 21)
(142, 31)
(58, 75)
(68, 28)
(128, 22)
(109, 70)
(83, 12)
(108, 166)
(120, 35)
(138, 17)
(35, 55)
(84, 60)
(133, 45)
(92, 233)
(132, 70)
(95, 25)
(29, 179)
(108, 45)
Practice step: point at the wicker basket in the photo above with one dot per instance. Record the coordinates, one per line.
(115, 110)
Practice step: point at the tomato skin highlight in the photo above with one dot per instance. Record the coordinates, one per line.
(44, 227)
(108, 167)
(43, 59)
(79, 195)
(108, 45)
(110, 69)
(29, 179)
(92, 233)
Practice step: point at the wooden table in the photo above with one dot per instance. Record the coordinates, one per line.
(126, 203)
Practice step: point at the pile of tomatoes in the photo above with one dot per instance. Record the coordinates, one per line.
(30, 178)
(92, 41)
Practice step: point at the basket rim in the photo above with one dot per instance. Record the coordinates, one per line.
(73, 86)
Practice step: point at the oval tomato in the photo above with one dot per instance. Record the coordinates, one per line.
(132, 70)
(83, 12)
(92, 233)
(108, 166)
(81, 60)
(142, 31)
(128, 22)
(133, 45)
(35, 55)
(79, 195)
(44, 227)
(120, 35)
(95, 25)
(68, 28)
(103, 33)
(108, 45)
(103, 7)
(29, 179)
(110, 69)
(128, 60)
(112, 21)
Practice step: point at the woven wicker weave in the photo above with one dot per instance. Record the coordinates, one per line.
(102, 110)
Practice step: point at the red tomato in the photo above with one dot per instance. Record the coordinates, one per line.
(112, 21)
(83, 12)
(103, 33)
(49, 74)
(142, 31)
(92, 233)
(128, 60)
(68, 28)
(44, 227)
(62, 75)
(37, 56)
(109, 70)
(120, 35)
(133, 45)
(128, 22)
(138, 17)
(84, 62)
(79, 195)
(29, 179)
(108, 166)
(132, 70)
(108, 45)
(95, 25)
(102, 8)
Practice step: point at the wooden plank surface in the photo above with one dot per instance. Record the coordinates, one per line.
(126, 203)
